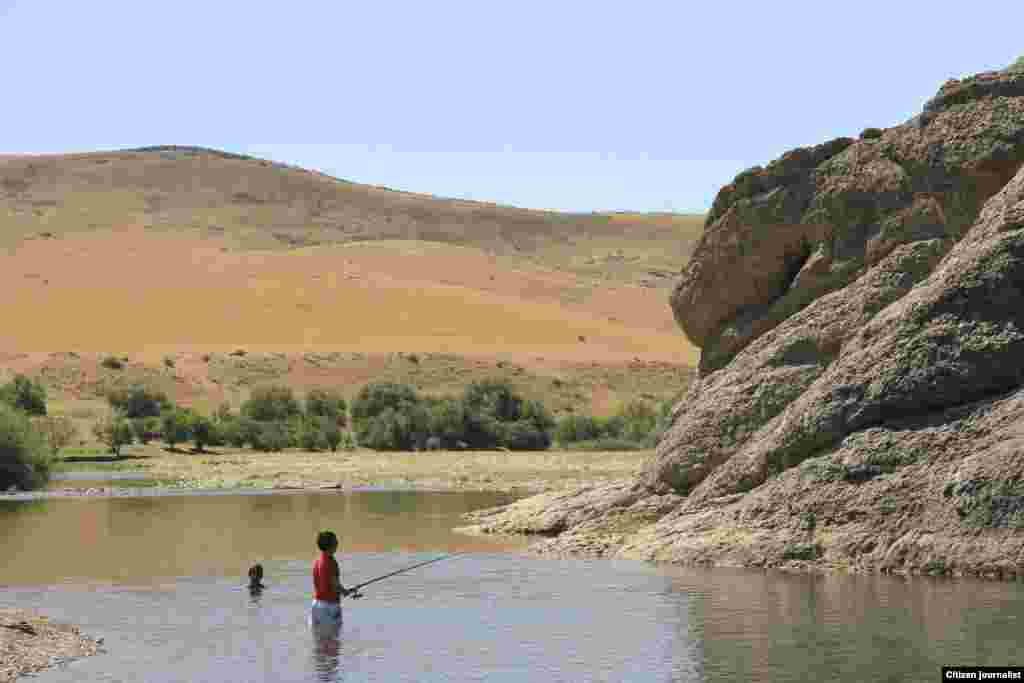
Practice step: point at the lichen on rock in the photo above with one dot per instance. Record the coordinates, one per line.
(860, 309)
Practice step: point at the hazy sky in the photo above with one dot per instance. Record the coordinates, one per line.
(566, 105)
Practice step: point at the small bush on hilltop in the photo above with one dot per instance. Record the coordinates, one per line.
(270, 403)
(25, 456)
(1017, 66)
(25, 394)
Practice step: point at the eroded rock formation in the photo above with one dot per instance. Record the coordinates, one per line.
(860, 309)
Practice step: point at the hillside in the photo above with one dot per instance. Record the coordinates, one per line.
(177, 250)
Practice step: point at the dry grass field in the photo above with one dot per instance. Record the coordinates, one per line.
(192, 254)
(447, 470)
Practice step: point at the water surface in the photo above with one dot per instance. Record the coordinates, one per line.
(159, 578)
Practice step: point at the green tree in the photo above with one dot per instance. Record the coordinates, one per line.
(137, 401)
(326, 403)
(271, 437)
(204, 431)
(447, 421)
(493, 398)
(146, 429)
(524, 435)
(573, 428)
(176, 427)
(270, 403)
(113, 432)
(25, 456)
(25, 394)
(332, 437)
(640, 418)
(373, 399)
(231, 431)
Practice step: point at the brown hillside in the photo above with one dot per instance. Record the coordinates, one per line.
(177, 250)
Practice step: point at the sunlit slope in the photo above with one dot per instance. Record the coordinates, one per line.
(177, 249)
(132, 291)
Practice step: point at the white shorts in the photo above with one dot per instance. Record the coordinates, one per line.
(325, 614)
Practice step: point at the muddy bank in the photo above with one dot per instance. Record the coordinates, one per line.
(30, 643)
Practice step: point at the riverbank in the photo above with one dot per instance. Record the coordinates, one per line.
(30, 643)
(227, 468)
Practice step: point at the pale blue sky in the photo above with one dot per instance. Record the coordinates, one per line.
(565, 105)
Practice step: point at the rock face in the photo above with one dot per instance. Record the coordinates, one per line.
(860, 308)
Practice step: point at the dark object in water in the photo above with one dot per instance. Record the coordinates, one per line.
(256, 579)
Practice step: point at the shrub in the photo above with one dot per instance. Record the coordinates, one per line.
(572, 428)
(375, 398)
(446, 420)
(607, 443)
(270, 403)
(271, 437)
(138, 401)
(25, 394)
(524, 435)
(493, 398)
(112, 363)
(871, 133)
(146, 429)
(639, 420)
(538, 414)
(59, 431)
(232, 433)
(396, 430)
(176, 427)
(204, 431)
(326, 403)
(25, 456)
(311, 434)
(1017, 66)
(113, 432)
(332, 437)
(249, 431)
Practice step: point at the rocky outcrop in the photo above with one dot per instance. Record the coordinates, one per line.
(860, 308)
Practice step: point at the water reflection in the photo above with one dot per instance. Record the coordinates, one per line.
(326, 640)
(147, 538)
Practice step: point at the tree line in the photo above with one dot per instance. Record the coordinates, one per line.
(384, 416)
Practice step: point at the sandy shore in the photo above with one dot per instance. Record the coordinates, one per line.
(526, 471)
(30, 643)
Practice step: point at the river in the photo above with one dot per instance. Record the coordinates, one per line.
(161, 579)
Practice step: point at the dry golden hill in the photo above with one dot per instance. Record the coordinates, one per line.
(176, 250)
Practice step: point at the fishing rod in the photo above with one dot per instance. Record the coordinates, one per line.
(354, 590)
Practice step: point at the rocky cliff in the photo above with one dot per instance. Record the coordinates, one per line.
(860, 310)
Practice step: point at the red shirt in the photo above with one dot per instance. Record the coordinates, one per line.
(324, 567)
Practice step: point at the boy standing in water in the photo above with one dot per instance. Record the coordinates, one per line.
(327, 588)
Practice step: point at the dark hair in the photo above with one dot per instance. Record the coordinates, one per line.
(325, 539)
(256, 571)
